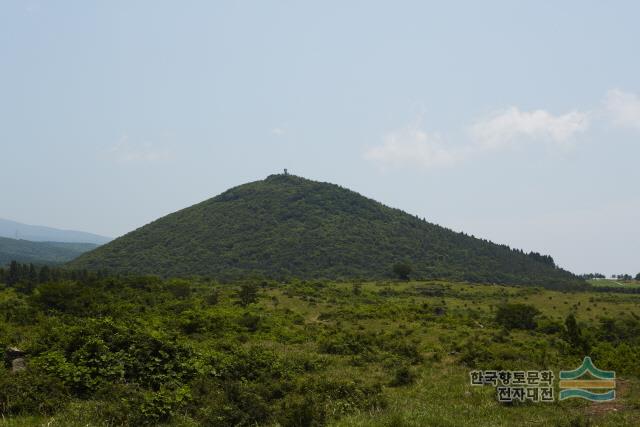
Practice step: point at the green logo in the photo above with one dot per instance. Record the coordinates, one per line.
(571, 386)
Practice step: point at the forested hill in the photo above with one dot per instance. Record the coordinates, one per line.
(287, 226)
(38, 233)
(40, 252)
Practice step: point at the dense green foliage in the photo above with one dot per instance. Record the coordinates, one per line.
(147, 351)
(517, 316)
(25, 277)
(40, 252)
(286, 226)
(173, 350)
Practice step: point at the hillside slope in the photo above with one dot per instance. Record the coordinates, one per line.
(38, 233)
(289, 226)
(25, 251)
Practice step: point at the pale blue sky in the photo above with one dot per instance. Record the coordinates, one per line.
(514, 121)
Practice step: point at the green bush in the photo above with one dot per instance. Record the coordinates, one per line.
(179, 288)
(31, 391)
(248, 294)
(517, 316)
(129, 404)
(402, 376)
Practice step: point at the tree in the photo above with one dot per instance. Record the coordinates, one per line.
(14, 273)
(180, 288)
(638, 276)
(357, 289)
(517, 316)
(248, 294)
(402, 270)
(45, 274)
(33, 274)
(573, 335)
(213, 297)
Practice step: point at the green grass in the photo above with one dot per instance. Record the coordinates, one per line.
(614, 283)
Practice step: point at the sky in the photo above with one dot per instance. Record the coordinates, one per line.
(515, 121)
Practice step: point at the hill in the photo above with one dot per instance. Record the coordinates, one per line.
(38, 233)
(40, 252)
(287, 226)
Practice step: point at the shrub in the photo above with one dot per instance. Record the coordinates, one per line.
(67, 297)
(128, 404)
(402, 270)
(248, 294)
(179, 288)
(403, 375)
(517, 316)
(573, 335)
(549, 326)
(213, 297)
(31, 392)
(250, 322)
(476, 354)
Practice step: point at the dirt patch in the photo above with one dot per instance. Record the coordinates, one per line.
(623, 389)
(596, 409)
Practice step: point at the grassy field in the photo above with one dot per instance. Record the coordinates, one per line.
(369, 354)
(615, 283)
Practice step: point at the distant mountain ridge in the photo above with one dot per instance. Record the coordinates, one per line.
(38, 233)
(288, 226)
(40, 253)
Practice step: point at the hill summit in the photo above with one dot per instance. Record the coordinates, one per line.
(288, 226)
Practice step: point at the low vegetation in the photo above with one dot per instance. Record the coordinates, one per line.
(109, 351)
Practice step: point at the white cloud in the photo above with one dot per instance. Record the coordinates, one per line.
(501, 131)
(125, 151)
(623, 108)
(412, 146)
(512, 126)
(277, 131)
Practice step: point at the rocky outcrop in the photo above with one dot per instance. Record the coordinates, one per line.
(15, 359)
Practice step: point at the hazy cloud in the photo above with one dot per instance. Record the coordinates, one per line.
(502, 130)
(512, 126)
(623, 108)
(277, 131)
(125, 151)
(412, 146)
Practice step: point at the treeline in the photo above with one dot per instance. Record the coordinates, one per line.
(27, 276)
(545, 259)
(591, 276)
(625, 276)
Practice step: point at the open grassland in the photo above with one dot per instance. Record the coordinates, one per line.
(615, 283)
(187, 353)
